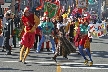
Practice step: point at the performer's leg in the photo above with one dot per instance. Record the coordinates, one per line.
(47, 46)
(40, 43)
(21, 53)
(82, 53)
(53, 44)
(26, 54)
(89, 54)
(42, 47)
(57, 51)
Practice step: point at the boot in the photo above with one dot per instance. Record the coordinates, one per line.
(54, 58)
(91, 63)
(86, 62)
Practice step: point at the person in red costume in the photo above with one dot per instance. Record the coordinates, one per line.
(30, 22)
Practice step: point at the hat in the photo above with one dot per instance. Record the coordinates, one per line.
(45, 13)
(26, 9)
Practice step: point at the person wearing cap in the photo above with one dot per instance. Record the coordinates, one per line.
(47, 29)
(30, 22)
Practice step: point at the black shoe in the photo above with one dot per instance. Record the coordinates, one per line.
(41, 49)
(8, 54)
(48, 49)
(20, 61)
(65, 57)
(3, 50)
(54, 58)
(79, 54)
(14, 46)
(24, 62)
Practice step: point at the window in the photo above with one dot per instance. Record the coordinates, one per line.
(7, 1)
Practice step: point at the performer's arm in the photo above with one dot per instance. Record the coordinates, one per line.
(36, 20)
(25, 22)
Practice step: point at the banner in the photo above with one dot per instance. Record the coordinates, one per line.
(97, 30)
(51, 9)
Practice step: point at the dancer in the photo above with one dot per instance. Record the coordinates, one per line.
(47, 29)
(64, 47)
(84, 43)
(30, 22)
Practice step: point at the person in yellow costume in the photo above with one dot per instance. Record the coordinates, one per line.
(30, 22)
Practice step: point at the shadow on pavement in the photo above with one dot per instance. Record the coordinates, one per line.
(104, 37)
(100, 42)
(8, 69)
(82, 65)
(102, 54)
(27, 70)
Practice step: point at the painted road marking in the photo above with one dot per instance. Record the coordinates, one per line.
(58, 69)
(77, 65)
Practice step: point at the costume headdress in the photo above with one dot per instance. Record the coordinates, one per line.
(26, 9)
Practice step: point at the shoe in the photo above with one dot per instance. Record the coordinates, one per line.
(54, 58)
(86, 62)
(20, 61)
(79, 54)
(3, 50)
(91, 63)
(41, 49)
(37, 51)
(53, 52)
(8, 54)
(24, 62)
(65, 57)
(48, 49)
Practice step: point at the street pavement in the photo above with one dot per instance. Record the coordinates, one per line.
(42, 62)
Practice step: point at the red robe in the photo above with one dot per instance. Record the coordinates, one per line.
(28, 37)
(28, 21)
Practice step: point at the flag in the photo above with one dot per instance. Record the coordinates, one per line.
(51, 9)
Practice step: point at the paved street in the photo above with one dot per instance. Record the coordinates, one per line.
(42, 62)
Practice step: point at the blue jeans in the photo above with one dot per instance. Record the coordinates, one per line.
(82, 53)
(43, 40)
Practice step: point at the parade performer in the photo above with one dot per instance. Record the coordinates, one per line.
(84, 43)
(30, 22)
(47, 29)
(47, 43)
(64, 47)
